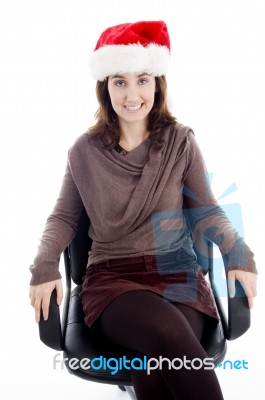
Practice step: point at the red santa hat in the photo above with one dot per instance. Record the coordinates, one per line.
(134, 47)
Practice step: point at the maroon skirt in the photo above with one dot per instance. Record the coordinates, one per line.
(175, 276)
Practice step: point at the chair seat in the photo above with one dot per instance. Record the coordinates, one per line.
(215, 344)
(81, 344)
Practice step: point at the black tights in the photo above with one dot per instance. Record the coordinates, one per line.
(143, 321)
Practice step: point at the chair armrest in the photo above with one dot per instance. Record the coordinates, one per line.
(238, 320)
(50, 331)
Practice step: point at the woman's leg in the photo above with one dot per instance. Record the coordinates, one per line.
(153, 386)
(144, 322)
(150, 386)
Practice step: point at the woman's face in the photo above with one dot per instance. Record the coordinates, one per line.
(132, 96)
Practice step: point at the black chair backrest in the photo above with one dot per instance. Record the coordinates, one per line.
(78, 250)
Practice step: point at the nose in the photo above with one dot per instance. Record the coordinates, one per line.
(132, 94)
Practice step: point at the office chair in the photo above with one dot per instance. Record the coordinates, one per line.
(71, 335)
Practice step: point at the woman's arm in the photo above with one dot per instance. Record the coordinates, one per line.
(60, 229)
(204, 214)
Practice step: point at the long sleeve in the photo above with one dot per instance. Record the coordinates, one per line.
(60, 229)
(204, 214)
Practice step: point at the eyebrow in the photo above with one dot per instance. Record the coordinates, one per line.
(123, 77)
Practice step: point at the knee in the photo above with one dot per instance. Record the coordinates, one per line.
(168, 339)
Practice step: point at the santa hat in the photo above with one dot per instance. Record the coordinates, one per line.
(134, 47)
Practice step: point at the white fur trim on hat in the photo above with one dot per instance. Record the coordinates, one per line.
(116, 59)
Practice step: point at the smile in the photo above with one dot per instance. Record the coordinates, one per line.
(133, 108)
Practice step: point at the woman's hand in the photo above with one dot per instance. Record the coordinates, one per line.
(40, 297)
(247, 279)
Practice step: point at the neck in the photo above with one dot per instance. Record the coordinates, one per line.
(132, 135)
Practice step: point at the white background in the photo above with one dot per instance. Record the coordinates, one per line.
(216, 85)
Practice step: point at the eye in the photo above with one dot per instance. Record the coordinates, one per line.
(143, 81)
(119, 83)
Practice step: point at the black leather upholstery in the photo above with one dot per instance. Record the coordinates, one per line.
(78, 250)
(80, 344)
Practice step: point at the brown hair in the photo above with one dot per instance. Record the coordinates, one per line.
(107, 125)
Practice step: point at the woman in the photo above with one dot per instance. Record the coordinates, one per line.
(135, 172)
